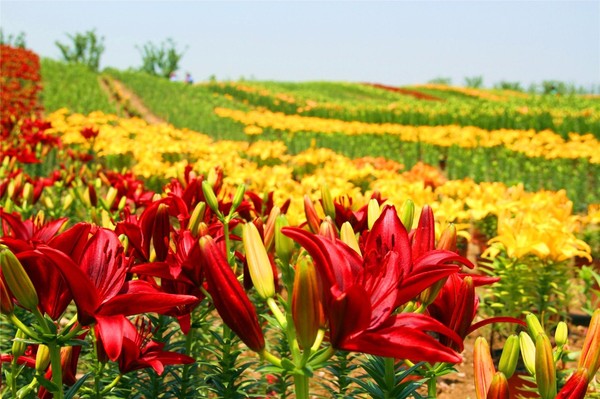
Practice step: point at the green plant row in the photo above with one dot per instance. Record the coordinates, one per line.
(72, 86)
(180, 104)
(357, 102)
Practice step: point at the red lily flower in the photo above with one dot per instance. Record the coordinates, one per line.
(139, 350)
(361, 294)
(229, 297)
(97, 281)
(456, 306)
(153, 229)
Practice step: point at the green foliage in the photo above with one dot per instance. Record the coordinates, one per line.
(160, 60)
(506, 85)
(85, 48)
(72, 86)
(13, 40)
(474, 81)
(527, 284)
(441, 80)
(342, 366)
(382, 381)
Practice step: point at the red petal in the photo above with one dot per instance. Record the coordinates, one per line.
(111, 331)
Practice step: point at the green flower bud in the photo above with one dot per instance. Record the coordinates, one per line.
(561, 335)
(527, 351)
(259, 264)
(284, 246)
(42, 358)
(534, 326)
(17, 279)
(328, 206)
(18, 346)
(373, 212)
(407, 214)
(238, 197)
(210, 197)
(510, 356)
(545, 369)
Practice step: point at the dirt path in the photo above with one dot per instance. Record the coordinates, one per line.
(127, 101)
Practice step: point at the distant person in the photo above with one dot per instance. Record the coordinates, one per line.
(188, 78)
(173, 77)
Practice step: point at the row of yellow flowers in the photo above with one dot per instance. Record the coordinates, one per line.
(545, 144)
(512, 102)
(540, 223)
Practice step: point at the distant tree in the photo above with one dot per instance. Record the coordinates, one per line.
(86, 48)
(475, 82)
(160, 60)
(441, 81)
(12, 40)
(506, 85)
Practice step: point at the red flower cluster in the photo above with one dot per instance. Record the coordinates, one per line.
(19, 85)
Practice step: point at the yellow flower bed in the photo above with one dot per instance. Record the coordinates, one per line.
(540, 221)
(546, 144)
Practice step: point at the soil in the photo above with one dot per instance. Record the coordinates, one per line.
(126, 100)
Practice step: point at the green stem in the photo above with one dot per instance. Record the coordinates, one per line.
(271, 358)
(186, 368)
(318, 340)
(111, 385)
(301, 386)
(18, 323)
(277, 312)
(323, 357)
(432, 388)
(54, 350)
(390, 375)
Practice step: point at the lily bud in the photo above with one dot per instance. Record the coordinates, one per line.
(312, 218)
(210, 197)
(373, 212)
(229, 297)
(447, 240)
(527, 347)
(590, 351)
(510, 356)
(18, 346)
(259, 264)
(327, 201)
(483, 366)
(499, 387)
(42, 358)
(6, 303)
(545, 369)
(270, 227)
(306, 306)
(424, 236)
(407, 214)
(284, 246)
(561, 334)
(27, 193)
(238, 197)
(327, 229)
(534, 326)
(111, 196)
(92, 196)
(17, 279)
(196, 218)
(576, 386)
(348, 236)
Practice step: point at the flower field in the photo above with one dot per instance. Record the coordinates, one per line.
(272, 239)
